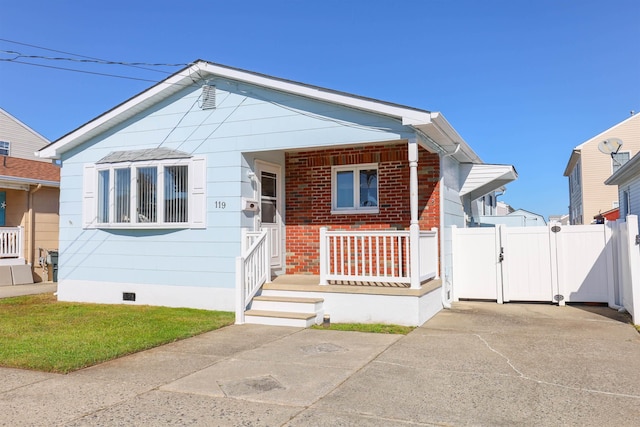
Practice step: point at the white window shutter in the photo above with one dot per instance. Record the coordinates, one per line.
(89, 209)
(198, 196)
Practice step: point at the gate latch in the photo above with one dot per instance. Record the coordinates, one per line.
(556, 228)
(501, 256)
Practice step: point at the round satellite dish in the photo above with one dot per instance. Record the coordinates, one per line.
(610, 146)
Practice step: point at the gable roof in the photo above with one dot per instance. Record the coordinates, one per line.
(27, 128)
(575, 154)
(433, 128)
(24, 172)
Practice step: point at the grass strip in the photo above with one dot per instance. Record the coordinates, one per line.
(38, 332)
(376, 328)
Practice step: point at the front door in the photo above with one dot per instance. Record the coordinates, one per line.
(270, 217)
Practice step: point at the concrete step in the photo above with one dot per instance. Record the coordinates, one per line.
(288, 304)
(280, 318)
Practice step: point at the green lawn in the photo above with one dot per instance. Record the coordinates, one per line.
(37, 332)
(376, 328)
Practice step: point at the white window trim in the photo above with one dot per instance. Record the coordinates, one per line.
(8, 148)
(356, 196)
(613, 161)
(196, 197)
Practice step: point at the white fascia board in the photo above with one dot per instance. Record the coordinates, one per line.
(116, 115)
(573, 160)
(408, 115)
(440, 131)
(598, 136)
(27, 181)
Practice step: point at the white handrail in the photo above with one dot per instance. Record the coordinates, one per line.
(253, 269)
(10, 242)
(375, 255)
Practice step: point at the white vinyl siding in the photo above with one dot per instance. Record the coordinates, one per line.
(156, 194)
(22, 140)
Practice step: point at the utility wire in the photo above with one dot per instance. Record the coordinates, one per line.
(89, 57)
(86, 72)
(18, 55)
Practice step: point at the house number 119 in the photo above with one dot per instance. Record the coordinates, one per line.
(220, 205)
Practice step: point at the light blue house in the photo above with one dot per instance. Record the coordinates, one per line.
(202, 189)
(517, 218)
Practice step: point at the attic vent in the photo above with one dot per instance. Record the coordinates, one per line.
(208, 97)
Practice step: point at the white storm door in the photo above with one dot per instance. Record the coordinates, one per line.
(270, 217)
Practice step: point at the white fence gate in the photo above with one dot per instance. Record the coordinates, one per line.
(554, 263)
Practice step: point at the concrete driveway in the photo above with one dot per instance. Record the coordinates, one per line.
(478, 364)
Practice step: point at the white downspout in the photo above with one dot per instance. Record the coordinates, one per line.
(445, 276)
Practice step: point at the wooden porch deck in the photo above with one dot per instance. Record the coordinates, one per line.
(310, 283)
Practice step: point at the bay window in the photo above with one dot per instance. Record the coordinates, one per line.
(154, 194)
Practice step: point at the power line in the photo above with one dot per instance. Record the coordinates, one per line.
(86, 72)
(18, 55)
(88, 57)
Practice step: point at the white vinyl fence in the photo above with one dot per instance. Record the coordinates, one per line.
(554, 263)
(627, 262)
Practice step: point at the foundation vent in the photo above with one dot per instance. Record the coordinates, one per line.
(128, 296)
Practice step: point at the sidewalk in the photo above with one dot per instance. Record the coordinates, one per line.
(19, 290)
(480, 364)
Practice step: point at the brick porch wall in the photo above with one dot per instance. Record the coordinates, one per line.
(308, 200)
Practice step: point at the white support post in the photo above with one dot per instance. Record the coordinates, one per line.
(454, 266)
(414, 227)
(243, 240)
(240, 302)
(324, 256)
(435, 250)
(634, 267)
(609, 245)
(21, 242)
(267, 257)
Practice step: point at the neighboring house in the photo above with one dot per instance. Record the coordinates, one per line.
(517, 218)
(29, 193)
(561, 219)
(202, 188)
(627, 179)
(588, 168)
(503, 208)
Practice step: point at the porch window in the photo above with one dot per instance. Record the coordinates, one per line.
(354, 189)
(157, 194)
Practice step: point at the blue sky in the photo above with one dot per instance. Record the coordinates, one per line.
(523, 82)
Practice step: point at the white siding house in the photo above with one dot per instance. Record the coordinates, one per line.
(627, 178)
(167, 198)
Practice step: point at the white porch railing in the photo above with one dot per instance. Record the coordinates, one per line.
(11, 242)
(375, 256)
(253, 269)
(428, 254)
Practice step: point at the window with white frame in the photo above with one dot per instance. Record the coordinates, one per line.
(618, 160)
(354, 188)
(152, 194)
(4, 148)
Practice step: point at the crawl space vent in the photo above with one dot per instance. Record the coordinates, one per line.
(208, 97)
(128, 296)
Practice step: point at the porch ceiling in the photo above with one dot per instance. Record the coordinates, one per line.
(480, 179)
